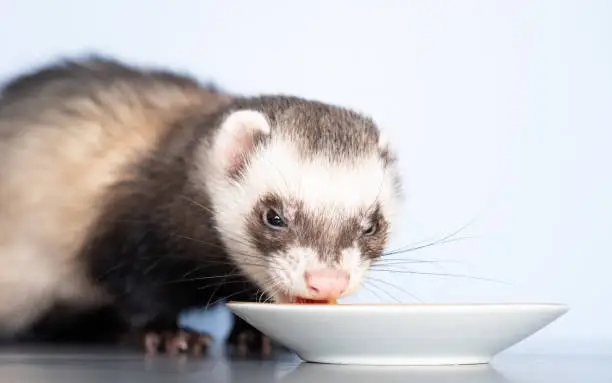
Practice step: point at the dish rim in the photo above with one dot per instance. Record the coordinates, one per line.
(351, 306)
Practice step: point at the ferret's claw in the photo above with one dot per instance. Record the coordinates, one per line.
(177, 342)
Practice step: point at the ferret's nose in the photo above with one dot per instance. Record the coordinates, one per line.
(326, 283)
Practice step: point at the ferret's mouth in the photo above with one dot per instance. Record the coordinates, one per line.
(286, 299)
(314, 301)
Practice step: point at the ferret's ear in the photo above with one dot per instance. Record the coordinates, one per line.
(237, 137)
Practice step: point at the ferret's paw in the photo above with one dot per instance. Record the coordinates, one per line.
(176, 342)
(251, 343)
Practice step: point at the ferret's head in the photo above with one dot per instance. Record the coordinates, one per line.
(304, 194)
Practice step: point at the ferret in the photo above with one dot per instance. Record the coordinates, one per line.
(129, 194)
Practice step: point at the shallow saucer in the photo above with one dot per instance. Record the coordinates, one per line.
(410, 334)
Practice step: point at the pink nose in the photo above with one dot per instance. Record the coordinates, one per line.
(326, 283)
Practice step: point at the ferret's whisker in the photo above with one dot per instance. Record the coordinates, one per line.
(111, 269)
(258, 295)
(154, 264)
(270, 265)
(439, 275)
(206, 243)
(365, 286)
(443, 239)
(424, 246)
(218, 287)
(267, 262)
(195, 279)
(222, 283)
(197, 204)
(396, 287)
(272, 288)
(399, 261)
(382, 290)
(227, 297)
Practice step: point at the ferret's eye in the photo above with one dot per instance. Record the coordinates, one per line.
(370, 230)
(273, 219)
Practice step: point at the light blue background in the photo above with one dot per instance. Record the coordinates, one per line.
(500, 109)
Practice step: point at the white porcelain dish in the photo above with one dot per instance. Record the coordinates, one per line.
(419, 334)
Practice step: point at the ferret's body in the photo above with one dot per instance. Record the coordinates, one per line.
(68, 137)
(139, 190)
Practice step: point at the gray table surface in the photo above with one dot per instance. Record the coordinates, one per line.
(36, 364)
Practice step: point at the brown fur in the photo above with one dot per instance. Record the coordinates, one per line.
(110, 176)
(337, 133)
(57, 163)
(327, 237)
